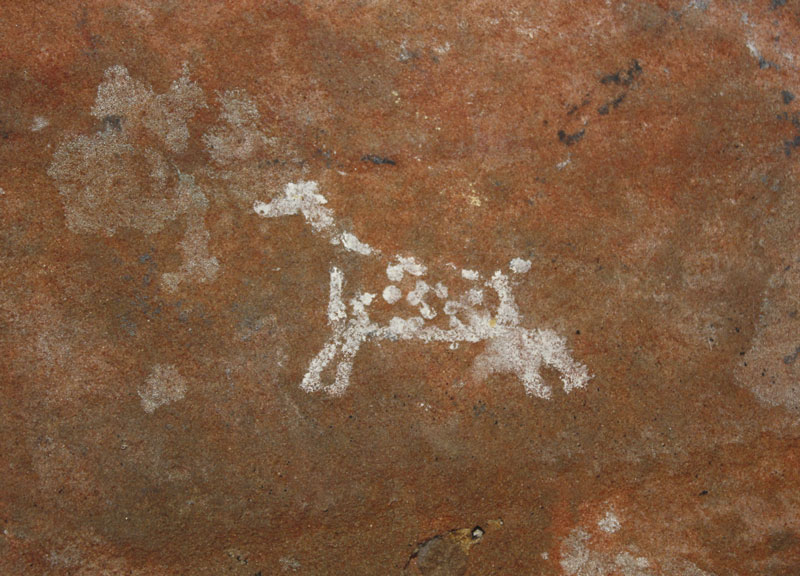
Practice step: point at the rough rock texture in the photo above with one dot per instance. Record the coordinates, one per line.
(365, 288)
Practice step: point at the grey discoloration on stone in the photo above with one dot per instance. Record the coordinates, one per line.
(126, 176)
(772, 374)
(447, 554)
(163, 386)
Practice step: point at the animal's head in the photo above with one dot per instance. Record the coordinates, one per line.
(299, 198)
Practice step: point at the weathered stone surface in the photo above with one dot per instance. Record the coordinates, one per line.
(234, 236)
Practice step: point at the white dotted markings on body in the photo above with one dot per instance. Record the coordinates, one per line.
(520, 266)
(470, 275)
(392, 294)
(396, 270)
(417, 298)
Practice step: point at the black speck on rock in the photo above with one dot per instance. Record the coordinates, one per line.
(789, 145)
(605, 108)
(790, 359)
(775, 4)
(113, 122)
(623, 77)
(378, 160)
(570, 139)
(787, 96)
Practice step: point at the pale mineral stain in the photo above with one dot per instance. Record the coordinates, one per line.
(579, 558)
(198, 265)
(127, 175)
(770, 369)
(238, 137)
(609, 523)
(163, 386)
(165, 116)
(39, 123)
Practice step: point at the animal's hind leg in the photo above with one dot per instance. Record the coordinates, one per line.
(533, 382)
(556, 355)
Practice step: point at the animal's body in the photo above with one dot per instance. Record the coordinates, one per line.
(509, 346)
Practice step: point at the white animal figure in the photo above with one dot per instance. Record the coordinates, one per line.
(510, 347)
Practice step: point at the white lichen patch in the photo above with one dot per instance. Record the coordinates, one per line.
(397, 269)
(392, 294)
(350, 242)
(163, 386)
(470, 275)
(300, 198)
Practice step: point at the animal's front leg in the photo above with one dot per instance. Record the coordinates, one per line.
(532, 379)
(312, 381)
(337, 320)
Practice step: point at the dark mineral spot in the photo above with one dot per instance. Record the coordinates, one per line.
(378, 160)
(783, 540)
(623, 77)
(113, 122)
(787, 96)
(605, 108)
(764, 64)
(570, 139)
(442, 556)
(789, 145)
(790, 359)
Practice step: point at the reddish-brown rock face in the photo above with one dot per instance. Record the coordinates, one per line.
(455, 288)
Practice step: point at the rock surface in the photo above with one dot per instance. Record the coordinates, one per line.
(448, 288)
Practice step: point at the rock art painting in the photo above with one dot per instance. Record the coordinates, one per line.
(100, 180)
(378, 288)
(509, 346)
